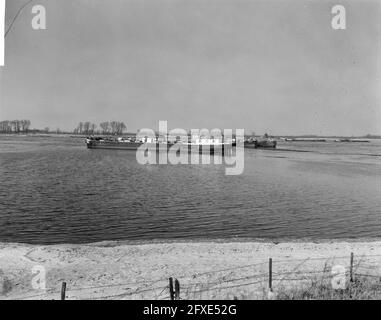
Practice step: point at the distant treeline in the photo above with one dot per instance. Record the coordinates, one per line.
(14, 126)
(108, 127)
(119, 128)
(85, 128)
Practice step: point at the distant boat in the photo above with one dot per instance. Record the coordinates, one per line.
(261, 143)
(112, 143)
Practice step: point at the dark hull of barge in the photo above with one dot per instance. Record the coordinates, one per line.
(94, 144)
(260, 144)
(157, 147)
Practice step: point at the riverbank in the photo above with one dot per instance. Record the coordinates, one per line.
(214, 270)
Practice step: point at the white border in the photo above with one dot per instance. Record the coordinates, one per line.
(2, 28)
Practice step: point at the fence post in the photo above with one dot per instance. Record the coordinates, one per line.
(351, 268)
(63, 291)
(177, 289)
(171, 292)
(270, 274)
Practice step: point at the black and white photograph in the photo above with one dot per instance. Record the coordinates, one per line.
(195, 150)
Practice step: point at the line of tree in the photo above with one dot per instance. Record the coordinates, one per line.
(106, 128)
(14, 126)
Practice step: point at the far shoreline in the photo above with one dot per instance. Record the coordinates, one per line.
(116, 243)
(277, 136)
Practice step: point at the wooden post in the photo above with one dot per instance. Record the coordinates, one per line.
(351, 268)
(271, 274)
(63, 291)
(171, 292)
(177, 289)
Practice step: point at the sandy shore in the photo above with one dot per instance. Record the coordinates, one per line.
(214, 270)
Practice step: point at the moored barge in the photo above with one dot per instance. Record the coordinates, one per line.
(204, 145)
(262, 143)
(211, 146)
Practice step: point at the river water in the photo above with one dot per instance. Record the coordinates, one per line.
(54, 190)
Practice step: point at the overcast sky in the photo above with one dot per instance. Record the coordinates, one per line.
(271, 66)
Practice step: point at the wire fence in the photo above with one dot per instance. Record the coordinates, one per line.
(243, 281)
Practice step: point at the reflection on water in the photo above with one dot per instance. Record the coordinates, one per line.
(54, 190)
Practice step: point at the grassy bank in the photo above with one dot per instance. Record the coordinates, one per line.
(362, 288)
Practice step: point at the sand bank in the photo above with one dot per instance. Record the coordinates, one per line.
(214, 270)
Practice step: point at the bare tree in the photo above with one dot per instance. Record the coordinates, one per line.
(80, 127)
(105, 126)
(92, 128)
(14, 126)
(86, 127)
(113, 125)
(121, 127)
